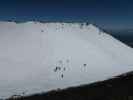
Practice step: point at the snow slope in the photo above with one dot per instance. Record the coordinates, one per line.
(36, 57)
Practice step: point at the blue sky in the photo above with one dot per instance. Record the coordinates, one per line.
(112, 14)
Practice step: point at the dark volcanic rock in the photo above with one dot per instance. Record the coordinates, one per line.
(117, 88)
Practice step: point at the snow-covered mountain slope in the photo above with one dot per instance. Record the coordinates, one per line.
(36, 57)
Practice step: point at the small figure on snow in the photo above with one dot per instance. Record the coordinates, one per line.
(62, 75)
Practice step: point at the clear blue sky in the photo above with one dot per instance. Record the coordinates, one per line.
(105, 13)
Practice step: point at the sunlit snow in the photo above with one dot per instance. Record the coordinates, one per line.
(37, 57)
